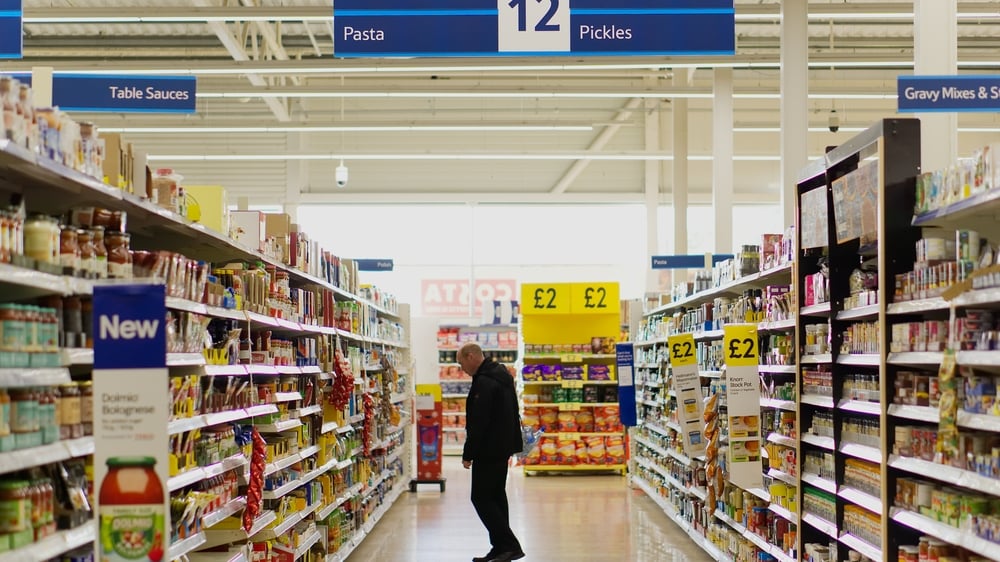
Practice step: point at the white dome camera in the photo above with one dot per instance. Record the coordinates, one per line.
(834, 122)
(341, 175)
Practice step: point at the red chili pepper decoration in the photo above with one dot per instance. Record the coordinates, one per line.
(343, 382)
(368, 426)
(258, 457)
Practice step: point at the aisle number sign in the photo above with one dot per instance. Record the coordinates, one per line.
(740, 349)
(687, 387)
(11, 29)
(570, 298)
(479, 28)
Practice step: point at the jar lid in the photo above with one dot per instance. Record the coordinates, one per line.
(131, 461)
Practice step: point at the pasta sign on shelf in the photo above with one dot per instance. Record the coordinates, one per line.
(743, 400)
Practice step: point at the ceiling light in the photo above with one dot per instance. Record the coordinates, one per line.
(634, 156)
(342, 129)
(439, 94)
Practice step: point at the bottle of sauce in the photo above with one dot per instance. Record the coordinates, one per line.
(87, 407)
(101, 252)
(119, 266)
(15, 506)
(23, 410)
(69, 248)
(71, 424)
(132, 512)
(88, 254)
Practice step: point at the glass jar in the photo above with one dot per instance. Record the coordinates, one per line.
(69, 248)
(11, 329)
(131, 499)
(15, 506)
(38, 238)
(23, 410)
(70, 426)
(100, 252)
(119, 260)
(5, 227)
(87, 407)
(88, 254)
(4, 413)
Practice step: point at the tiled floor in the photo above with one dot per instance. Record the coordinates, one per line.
(557, 518)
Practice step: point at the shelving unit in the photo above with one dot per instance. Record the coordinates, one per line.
(53, 189)
(499, 341)
(569, 377)
(657, 442)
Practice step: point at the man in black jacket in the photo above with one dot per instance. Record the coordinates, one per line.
(492, 435)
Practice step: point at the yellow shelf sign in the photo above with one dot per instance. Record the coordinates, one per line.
(545, 298)
(570, 436)
(569, 407)
(572, 358)
(572, 384)
(595, 298)
(739, 346)
(682, 350)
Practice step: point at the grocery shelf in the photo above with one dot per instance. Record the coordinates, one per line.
(263, 370)
(656, 429)
(817, 400)
(946, 533)
(783, 512)
(339, 501)
(306, 478)
(915, 358)
(708, 335)
(979, 358)
(821, 525)
(958, 214)
(918, 413)
(234, 506)
(20, 378)
(780, 439)
(857, 497)
(21, 459)
(575, 468)
(868, 312)
(760, 493)
(699, 539)
(278, 427)
(287, 397)
(860, 407)
(978, 297)
(648, 343)
(777, 325)
(859, 359)
(788, 405)
(819, 441)
(765, 277)
(679, 457)
(758, 540)
(399, 397)
(198, 474)
(778, 369)
(711, 374)
(917, 306)
(659, 450)
(821, 359)
(182, 547)
(54, 545)
(291, 520)
(221, 537)
(308, 411)
(76, 356)
(819, 482)
(206, 420)
(822, 309)
(185, 360)
(306, 544)
(864, 452)
(228, 556)
(226, 370)
(947, 474)
(862, 546)
(783, 476)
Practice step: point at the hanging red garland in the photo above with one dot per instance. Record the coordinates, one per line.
(343, 381)
(367, 428)
(255, 488)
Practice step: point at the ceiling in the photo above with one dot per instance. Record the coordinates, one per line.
(454, 130)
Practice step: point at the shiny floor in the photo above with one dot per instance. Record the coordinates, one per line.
(557, 518)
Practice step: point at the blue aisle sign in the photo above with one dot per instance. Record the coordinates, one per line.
(130, 327)
(374, 264)
(11, 29)
(109, 93)
(966, 93)
(625, 365)
(694, 261)
(491, 28)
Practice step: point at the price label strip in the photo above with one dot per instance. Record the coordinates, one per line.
(687, 387)
(741, 349)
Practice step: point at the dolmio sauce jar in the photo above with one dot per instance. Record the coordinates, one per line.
(132, 512)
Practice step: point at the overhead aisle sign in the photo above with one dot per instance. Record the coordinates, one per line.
(492, 28)
(11, 25)
(966, 93)
(112, 93)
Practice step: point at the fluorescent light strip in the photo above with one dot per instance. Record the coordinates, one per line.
(335, 129)
(174, 19)
(423, 156)
(432, 94)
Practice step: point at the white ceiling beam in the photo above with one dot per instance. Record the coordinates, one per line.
(417, 198)
(272, 38)
(598, 144)
(239, 54)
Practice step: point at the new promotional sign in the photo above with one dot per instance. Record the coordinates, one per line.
(429, 437)
(11, 29)
(965, 93)
(108, 93)
(687, 387)
(481, 28)
(625, 362)
(740, 349)
(130, 420)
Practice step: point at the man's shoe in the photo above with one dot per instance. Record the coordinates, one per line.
(489, 556)
(508, 556)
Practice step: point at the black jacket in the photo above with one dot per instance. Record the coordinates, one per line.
(492, 422)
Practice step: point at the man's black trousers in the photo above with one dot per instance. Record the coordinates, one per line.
(489, 497)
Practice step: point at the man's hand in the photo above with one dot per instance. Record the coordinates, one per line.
(467, 464)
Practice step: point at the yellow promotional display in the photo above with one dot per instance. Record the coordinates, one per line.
(740, 349)
(570, 379)
(687, 386)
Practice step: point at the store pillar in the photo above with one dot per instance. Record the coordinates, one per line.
(794, 101)
(935, 52)
(722, 159)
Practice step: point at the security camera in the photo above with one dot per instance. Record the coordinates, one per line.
(341, 175)
(834, 122)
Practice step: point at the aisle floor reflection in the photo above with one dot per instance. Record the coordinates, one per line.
(557, 518)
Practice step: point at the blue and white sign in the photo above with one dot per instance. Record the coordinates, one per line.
(966, 93)
(692, 261)
(107, 93)
(130, 327)
(374, 264)
(625, 365)
(11, 29)
(491, 28)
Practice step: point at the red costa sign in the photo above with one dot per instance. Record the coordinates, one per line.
(450, 297)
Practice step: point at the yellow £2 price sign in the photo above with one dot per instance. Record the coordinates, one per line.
(595, 298)
(545, 298)
(739, 346)
(682, 350)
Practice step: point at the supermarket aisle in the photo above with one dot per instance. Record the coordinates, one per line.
(558, 519)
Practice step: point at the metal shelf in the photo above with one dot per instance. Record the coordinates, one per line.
(819, 441)
(821, 359)
(947, 474)
(859, 359)
(864, 452)
(822, 309)
(817, 400)
(917, 306)
(21, 459)
(860, 407)
(54, 545)
(819, 482)
(860, 313)
(788, 405)
(778, 369)
(862, 546)
(946, 533)
(821, 525)
(857, 497)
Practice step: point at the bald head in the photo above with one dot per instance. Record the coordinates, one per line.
(470, 357)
